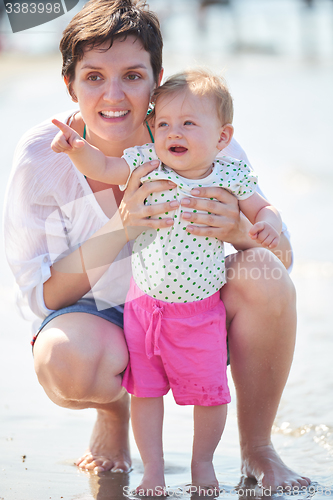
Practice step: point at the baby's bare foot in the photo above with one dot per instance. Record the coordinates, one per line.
(264, 464)
(109, 446)
(152, 483)
(204, 481)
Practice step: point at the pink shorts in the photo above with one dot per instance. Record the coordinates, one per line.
(177, 346)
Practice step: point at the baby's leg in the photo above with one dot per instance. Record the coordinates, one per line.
(209, 422)
(147, 422)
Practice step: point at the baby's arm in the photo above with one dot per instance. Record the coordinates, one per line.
(88, 159)
(266, 220)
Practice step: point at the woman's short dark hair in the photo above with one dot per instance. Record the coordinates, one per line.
(103, 21)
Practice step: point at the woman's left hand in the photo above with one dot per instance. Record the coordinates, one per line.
(221, 218)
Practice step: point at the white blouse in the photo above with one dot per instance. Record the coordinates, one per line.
(49, 211)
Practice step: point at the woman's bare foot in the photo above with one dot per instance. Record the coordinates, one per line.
(203, 478)
(153, 482)
(109, 444)
(264, 464)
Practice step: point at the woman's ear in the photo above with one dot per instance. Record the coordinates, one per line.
(226, 134)
(160, 76)
(157, 84)
(69, 89)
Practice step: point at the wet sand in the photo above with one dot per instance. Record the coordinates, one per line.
(283, 110)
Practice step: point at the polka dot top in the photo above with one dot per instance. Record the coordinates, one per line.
(171, 264)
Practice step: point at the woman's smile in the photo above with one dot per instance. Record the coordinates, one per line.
(114, 114)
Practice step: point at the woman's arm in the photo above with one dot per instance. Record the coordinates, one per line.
(69, 280)
(224, 221)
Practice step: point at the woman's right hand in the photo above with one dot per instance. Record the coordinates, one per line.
(135, 215)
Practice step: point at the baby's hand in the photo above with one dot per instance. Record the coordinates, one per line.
(265, 234)
(67, 140)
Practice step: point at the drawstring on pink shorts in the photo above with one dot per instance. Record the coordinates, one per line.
(153, 333)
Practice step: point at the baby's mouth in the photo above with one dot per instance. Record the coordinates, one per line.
(177, 149)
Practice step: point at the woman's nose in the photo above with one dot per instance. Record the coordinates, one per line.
(114, 91)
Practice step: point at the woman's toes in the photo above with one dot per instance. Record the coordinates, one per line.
(98, 469)
(122, 466)
(91, 464)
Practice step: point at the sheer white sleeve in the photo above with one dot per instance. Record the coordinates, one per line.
(49, 211)
(236, 151)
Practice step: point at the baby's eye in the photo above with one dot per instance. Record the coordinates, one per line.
(188, 122)
(94, 78)
(162, 124)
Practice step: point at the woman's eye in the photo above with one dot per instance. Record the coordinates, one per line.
(133, 77)
(94, 78)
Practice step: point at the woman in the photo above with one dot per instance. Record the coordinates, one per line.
(67, 245)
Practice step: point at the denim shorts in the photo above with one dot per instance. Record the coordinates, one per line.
(86, 305)
(113, 314)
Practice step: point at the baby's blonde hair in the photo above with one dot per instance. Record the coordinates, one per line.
(203, 83)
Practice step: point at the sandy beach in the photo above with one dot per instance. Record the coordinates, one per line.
(283, 119)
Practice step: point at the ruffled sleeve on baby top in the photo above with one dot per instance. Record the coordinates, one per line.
(235, 176)
(138, 156)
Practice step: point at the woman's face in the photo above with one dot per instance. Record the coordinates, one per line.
(113, 89)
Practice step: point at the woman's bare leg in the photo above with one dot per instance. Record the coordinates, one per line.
(79, 359)
(261, 320)
(209, 422)
(147, 424)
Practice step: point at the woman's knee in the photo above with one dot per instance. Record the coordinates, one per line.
(258, 277)
(73, 362)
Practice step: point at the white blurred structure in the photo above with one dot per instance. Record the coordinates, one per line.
(297, 28)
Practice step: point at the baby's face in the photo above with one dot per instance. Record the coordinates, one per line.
(187, 133)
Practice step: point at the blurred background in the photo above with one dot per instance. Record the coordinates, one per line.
(294, 28)
(277, 56)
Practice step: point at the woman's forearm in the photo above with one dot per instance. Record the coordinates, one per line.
(69, 280)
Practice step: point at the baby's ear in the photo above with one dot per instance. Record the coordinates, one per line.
(227, 131)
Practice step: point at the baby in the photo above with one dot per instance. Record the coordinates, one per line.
(174, 319)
